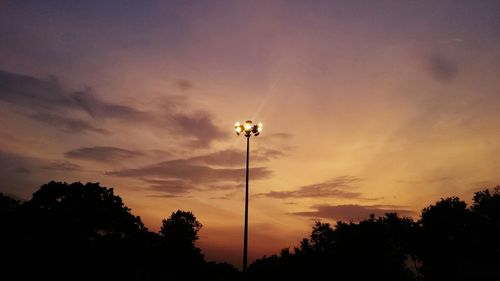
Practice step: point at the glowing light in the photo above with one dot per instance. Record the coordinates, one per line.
(248, 127)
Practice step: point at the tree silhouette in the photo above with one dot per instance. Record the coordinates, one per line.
(9, 209)
(461, 243)
(181, 229)
(486, 204)
(179, 233)
(375, 248)
(66, 228)
(85, 232)
(322, 237)
(82, 212)
(443, 238)
(7, 205)
(483, 233)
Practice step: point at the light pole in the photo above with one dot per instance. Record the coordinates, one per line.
(248, 128)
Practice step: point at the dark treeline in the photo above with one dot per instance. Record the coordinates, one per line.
(85, 232)
(450, 242)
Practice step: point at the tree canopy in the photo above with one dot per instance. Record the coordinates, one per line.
(451, 241)
(181, 228)
(85, 232)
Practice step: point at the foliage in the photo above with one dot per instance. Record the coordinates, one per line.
(181, 229)
(450, 242)
(85, 232)
(379, 247)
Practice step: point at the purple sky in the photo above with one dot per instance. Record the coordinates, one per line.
(367, 106)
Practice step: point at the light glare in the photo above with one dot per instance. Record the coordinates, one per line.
(248, 127)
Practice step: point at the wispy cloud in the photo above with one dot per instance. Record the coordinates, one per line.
(33, 92)
(184, 84)
(62, 166)
(102, 153)
(340, 187)
(46, 101)
(199, 126)
(184, 169)
(442, 68)
(214, 171)
(100, 109)
(226, 186)
(67, 124)
(22, 170)
(235, 157)
(352, 212)
(170, 187)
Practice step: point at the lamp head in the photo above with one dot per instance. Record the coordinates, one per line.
(238, 128)
(248, 127)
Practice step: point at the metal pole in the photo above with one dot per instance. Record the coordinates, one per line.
(245, 243)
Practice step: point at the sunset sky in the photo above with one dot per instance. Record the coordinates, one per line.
(367, 107)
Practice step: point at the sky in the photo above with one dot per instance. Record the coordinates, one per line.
(367, 107)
